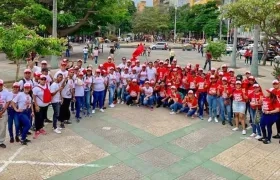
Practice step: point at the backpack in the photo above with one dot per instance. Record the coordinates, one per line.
(47, 96)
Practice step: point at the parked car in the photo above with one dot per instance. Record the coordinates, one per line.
(229, 47)
(159, 45)
(243, 50)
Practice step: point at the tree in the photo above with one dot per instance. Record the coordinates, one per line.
(18, 41)
(73, 14)
(217, 49)
(151, 20)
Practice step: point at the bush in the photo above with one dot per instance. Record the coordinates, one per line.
(217, 49)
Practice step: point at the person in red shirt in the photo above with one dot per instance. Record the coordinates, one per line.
(225, 70)
(212, 98)
(270, 108)
(190, 104)
(231, 75)
(239, 106)
(107, 65)
(225, 93)
(245, 82)
(276, 86)
(133, 91)
(201, 94)
(208, 60)
(161, 72)
(220, 76)
(176, 98)
(254, 99)
(161, 94)
(192, 81)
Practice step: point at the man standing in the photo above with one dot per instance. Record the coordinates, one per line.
(85, 50)
(208, 60)
(171, 55)
(5, 98)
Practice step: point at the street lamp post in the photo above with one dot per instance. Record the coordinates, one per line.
(175, 23)
(54, 63)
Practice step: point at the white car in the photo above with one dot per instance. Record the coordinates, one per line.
(159, 45)
(243, 50)
(229, 47)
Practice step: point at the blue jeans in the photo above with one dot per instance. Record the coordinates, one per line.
(98, 98)
(12, 118)
(255, 126)
(123, 92)
(201, 102)
(78, 105)
(176, 106)
(225, 108)
(56, 110)
(190, 111)
(24, 120)
(87, 101)
(67, 53)
(212, 102)
(141, 82)
(112, 89)
(95, 59)
(149, 101)
(267, 121)
(85, 57)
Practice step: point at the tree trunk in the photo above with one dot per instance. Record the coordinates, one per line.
(18, 68)
(265, 50)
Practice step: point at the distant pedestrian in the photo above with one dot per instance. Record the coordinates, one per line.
(201, 50)
(171, 55)
(208, 60)
(112, 52)
(85, 51)
(95, 54)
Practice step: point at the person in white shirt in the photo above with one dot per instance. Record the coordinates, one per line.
(138, 66)
(148, 95)
(68, 95)
(95, 54)
(41, 106)
(22, 104)
(5, 98)
(13, 116)
(32, 67)
(118, 87)
(62, 70)
(45, 71)
(36, 78)
(56, 89)
(26, 79)
(112, 83)
(133, 74)
(129, 65)
(88, 80)
(151, 72)
(125, 77)
(123, 64)
(99, 84)
(85, 51)
(79, 95)
(143, 75)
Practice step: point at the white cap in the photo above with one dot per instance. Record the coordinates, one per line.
(275, 81)
(44, 62)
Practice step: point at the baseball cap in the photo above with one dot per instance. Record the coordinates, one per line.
(109, 57)
(38, 74)
(27, 71)
(212, 77)
(248, 72)
(256, 85)
(221, 73)
(81, 73)
(270, 90)
(147, 82)
(275, 81)
(128, 61)
(16, 84)
(63, 64)
(144, 65)
(1, 82)
(134, 80)
(230, 70)
(42, 76)
(190, 92)
(111, 68)
(200, 69)
(251, 77)
(98, 70)
(175, 60)
(224, 79)
(79, 60)
(169, 65)
(175, 69)
(224, 65)
(27, 85)
(161, 62)
(44, 62)
(213, 69)
(168, 84)
(173, 87)
(137, 60)
(126, 68)
(238, 82)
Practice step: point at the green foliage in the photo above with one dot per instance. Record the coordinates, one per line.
(217, 49)
(264, 13)
(276, 70)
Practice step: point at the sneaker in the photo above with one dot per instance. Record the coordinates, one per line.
(112, 105)
(230, 123)
(223, 122)
(277, 136)
(200, 117)
(216, 120)
(42, 131)
(253, 135)
(23, 143)
(244, 132)
(210, 119)
(68, 122)
(122, 102)
(235, 129)
(266, 141)
(17, 139)
(62, 126)
(102, 110)
(93, 111)
(37, 133)
(119, 101)
(12, 140)
(172, 112)
(29, 133)
(258, 137)
(48, 121)
(249, 127)
(57, 131)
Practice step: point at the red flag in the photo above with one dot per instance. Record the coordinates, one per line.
(138, 51)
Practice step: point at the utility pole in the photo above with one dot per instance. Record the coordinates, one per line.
(175, 23)
(255, 61)
(234, 49)
(54, 63)
(221, 27)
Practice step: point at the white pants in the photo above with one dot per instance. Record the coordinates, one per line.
(3, 127)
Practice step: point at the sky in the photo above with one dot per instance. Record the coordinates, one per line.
(149, 2)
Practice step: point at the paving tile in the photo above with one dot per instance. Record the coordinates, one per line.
(200, 173)
(178, 151)
(159, 157)
(119, 123)
(140, 148)
(141, 166)
(275, 176)
(123, 155)
(142, 134)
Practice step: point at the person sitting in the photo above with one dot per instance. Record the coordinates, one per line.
(190, 104)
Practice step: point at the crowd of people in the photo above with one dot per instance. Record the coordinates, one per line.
(218, 95)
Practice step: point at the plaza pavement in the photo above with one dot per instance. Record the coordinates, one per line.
(131, 143)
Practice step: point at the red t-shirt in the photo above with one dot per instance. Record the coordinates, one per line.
(133, 89)
(192, 81)
(201, 82)
(107, 65)
(213, 88)
(239, 95)
(254, 99)
(162, 92)
(267, 105)
(225, 91)
(185, 82)
(177, 95)
(250, 89)
(277, 93)
(192, 102)
(161, 72)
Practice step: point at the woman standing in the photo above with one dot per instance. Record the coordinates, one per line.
(125, 76)
(270, 108)
(88, 80)
(239, 106)
(212, 98)
(42, 98)
(79, 94)
(95, 54)
(148, 95)
(111, 86)
(22, 104)
(98, 91)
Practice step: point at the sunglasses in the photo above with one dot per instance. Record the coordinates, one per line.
(27, 73)
(43, 79)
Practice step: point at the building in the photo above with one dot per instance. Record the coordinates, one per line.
(141, 6)
(194, 2)
(170, 2)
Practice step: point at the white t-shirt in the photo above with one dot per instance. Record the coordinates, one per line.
(148, 91)
(39, 93)
(5, 97)
(64, 73)
(151, 73)
(23, 101)
(35, 69)
(57, 97)
(85, 50)
(98, 83)
(79, 87)
(122, 66)
(112, 79)
(138, 69)
(124, 78)
(13, 96)
(68, 88)
(143, 75)
(88, 82)
(21, 83)
(133, 76)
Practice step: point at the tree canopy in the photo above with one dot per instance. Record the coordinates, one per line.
(264, 13)
(72, 14)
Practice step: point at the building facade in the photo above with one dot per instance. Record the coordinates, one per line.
(141, 6)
